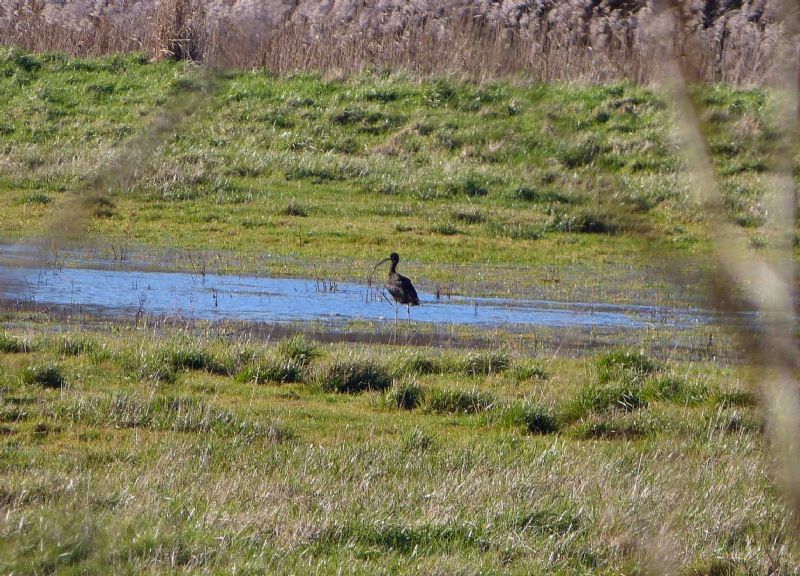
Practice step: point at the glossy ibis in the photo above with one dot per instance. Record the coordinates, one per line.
(400, 287)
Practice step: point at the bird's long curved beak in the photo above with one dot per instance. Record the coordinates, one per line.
(381, 262)
(369, 280)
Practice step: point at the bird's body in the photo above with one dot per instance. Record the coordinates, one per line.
(400, 287)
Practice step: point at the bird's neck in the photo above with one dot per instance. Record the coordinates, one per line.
(393, 268)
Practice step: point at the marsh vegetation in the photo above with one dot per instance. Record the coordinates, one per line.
(532, 160)
(325, 172)
(183, 451)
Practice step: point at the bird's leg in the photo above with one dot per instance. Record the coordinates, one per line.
(408, 308)
(395, 313)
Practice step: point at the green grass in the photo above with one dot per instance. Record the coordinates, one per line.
(533, 417)
(434, 468)
(678, 390)
(405, 395)
(626, 364)
(272, 370)
(593, 399)
(288, 363)
(352, 374)
(46, 376)
(189, 357)
(346, 171)
(161, 450)
(77, 345)
(11, 345)
(485, 363)
(456, 401)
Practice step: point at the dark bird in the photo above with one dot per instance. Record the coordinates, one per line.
(400, 287)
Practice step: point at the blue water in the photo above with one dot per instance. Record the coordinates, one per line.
(258, 299)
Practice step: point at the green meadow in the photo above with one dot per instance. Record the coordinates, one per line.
(340, 173)
(136, 451)
(137, 447)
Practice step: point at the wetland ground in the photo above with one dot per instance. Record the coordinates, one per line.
(163, 443)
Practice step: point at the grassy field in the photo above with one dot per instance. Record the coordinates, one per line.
(149, 452)
(141, 447)
(339, 173)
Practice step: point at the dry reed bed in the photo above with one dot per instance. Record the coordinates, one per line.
(540, 40)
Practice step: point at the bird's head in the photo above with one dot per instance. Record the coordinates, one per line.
(394, 258)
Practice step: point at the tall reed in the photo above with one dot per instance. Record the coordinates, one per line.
(537, 40)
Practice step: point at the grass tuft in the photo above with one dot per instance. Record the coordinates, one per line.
(405, 395)
(615, 426)
(581, 154)
(612, 365)
(297, 349)
(537, 196)
(154, 368)
(415, 363)
(403, 538)
(352, 375)
(77, 346)
(516, 230)
(676, 390)
(179, 414)
(551, 521)
(13, 345)
(37, 198)
(190, 357)
(529, 371)
(594, 399)
(445, 229)
(715, 567)
(472, 186)
(589, 221)
(47, 376)
(485, 363)
(534, 417)
(453, 401)
(735, 398)
(274, 370)
(295, 208)
(417, 440)
(470, 215)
